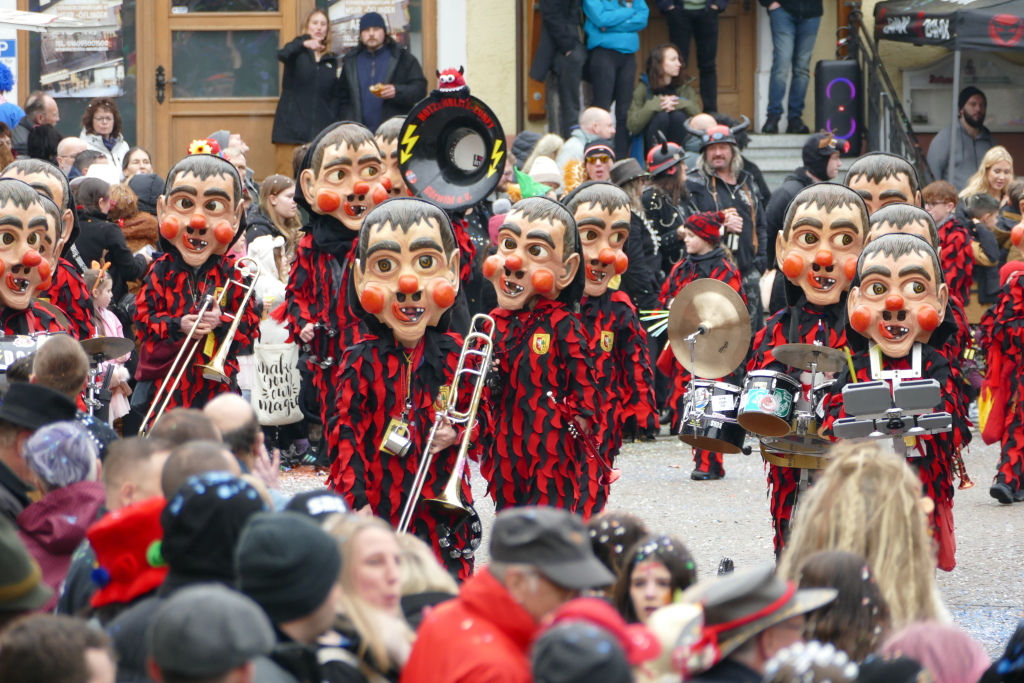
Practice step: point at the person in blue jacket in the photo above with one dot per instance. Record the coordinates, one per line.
(612, 28)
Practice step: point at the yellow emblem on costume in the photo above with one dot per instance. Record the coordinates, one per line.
(607, 340)
(540, 343)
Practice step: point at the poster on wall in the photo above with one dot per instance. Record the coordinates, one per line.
(85, 63)
(345, 15)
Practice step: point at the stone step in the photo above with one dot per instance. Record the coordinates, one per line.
(784, 165)
(761, 141)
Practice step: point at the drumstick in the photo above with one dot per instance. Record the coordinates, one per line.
(849, 363)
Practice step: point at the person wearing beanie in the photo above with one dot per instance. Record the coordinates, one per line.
(973, 140)
(201, 523)
(290, 567)
(545, 171)
(379, 78)
(63, 460)
(701, 233)
(598, 159)
(821, 162)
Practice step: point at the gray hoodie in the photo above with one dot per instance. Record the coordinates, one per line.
(969, 153)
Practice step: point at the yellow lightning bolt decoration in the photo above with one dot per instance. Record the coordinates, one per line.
(408, 142)
(495, 157)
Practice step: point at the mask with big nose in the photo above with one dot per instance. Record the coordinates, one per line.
(901, 298)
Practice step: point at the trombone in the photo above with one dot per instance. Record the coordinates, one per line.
(215, 368)
(479, 345)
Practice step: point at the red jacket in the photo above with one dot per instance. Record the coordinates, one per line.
(482, 636)
(52, 528)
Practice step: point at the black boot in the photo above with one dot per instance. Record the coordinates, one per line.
(1002, 493)
(771, 125)
(797, 126)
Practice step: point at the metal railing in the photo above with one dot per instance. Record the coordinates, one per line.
(888, 128)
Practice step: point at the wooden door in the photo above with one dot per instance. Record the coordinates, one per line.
(737, 55)
(221, 73)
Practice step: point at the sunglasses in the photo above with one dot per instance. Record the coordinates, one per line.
(716, 136)
(599, 158)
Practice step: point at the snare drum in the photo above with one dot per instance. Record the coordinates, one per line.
(819, 395)
(768, 403)
(709, 418)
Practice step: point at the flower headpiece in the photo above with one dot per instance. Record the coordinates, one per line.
(205, 146)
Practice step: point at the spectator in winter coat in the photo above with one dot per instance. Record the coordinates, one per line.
(26, 408)
(63, 460)
(560, 53)
(540, 558)
(40, 110)
(663, 99)
(613, 38)
(101, 130)
(378, 61)
(595, 124)
(309, 94)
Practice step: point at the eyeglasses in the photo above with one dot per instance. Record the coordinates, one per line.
(103, 119)
(599, 158)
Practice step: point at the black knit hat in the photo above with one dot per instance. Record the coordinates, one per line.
(966, 94)
(202, 523)
(818, 150)
(287, 564)
(31, 406)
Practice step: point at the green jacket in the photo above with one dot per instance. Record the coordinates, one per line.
(645, 104)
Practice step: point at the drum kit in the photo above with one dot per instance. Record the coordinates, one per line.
(100, 350)
(709, 333)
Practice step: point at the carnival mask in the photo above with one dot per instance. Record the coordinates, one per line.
(820, 256)
(389, 153)
(892, 190)
(901, 298)
(28, 237)
(530, 262)
(351, 181)
(602, 234)
(51, 188)
(199, 216)
(406, 280)
(919, 228)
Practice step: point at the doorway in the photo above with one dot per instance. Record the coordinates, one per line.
(212, 66)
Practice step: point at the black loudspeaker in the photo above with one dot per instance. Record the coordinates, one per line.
(838, 92)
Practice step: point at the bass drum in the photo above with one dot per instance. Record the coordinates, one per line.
(709, 418)
(768, 402)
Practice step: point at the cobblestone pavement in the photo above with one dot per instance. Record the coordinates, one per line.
(729, 518)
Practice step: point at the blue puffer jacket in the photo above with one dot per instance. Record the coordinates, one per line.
(613, 25)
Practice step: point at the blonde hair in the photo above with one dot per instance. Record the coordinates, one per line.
(289, 227)
(124, 203)
(867, 503)
(421, 572)
(548, 146)
(374, 627)
(978, 183)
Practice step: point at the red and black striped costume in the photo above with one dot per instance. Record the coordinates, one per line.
(529, 456)
(371, 383)
(1002, 330)
(804, 323)
(69, 293)
(956, 258)
(35, 318)
(171, 290)
(467, 249)
(936, 452)
(715, 265)
(624, 379)
(317, 292)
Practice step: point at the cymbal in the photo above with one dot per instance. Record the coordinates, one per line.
(715, 309)
(109, 347)
(802, 355)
